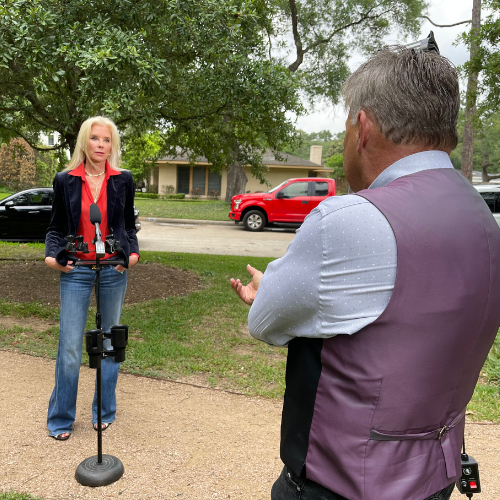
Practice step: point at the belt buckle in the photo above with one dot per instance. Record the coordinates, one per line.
(442, 432)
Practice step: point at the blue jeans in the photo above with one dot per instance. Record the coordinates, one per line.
(289, 487)
(76, 289)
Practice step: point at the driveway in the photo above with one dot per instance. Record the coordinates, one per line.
(217, 238)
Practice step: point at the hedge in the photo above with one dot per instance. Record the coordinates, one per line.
(155, 196)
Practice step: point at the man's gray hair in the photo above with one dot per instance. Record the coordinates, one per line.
(413, 96)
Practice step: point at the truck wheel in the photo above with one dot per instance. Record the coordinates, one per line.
(254, 220)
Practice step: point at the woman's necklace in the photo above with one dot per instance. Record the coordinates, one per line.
(97, 185)
(95, 175)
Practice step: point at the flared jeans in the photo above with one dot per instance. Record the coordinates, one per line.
(75, 290)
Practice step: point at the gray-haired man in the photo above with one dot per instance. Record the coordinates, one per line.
(387, 299)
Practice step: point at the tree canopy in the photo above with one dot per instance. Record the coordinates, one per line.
(201, 72)
(140, 152)
(325, 33)
(486, 60)
(486, 148)
(194, 69)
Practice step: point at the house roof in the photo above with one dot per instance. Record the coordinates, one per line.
(182, 158)
(268, 159)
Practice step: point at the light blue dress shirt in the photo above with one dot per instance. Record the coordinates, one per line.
(339, 271)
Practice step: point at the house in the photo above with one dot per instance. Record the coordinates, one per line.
(177, 171)
(50, 140)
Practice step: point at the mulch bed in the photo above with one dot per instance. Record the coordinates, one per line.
(33, 281)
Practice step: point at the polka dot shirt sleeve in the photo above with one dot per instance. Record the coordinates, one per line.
(336, 277)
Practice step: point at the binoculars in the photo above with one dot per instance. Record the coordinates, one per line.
(94, 343)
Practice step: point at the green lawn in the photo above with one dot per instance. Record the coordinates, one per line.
(184, 209)
(10, 495)
(485, 404)
(176, 209)
(200, 336)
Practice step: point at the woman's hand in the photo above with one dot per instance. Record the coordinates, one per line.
(52, 263)
(247, 293)
(132, 261)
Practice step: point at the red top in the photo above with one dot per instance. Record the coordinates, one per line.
(85, 227)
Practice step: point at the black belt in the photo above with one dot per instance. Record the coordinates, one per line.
(299, 480)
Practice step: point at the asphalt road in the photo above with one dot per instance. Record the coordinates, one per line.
(175, 235)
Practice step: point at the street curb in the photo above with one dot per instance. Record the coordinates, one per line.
(186, 221)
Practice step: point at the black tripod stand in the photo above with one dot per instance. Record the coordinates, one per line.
(100, 470)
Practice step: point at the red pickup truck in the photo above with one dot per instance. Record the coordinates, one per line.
(289, 202)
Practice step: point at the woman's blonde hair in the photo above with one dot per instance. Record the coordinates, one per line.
(82, 142)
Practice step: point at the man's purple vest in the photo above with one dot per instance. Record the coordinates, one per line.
(387, 408)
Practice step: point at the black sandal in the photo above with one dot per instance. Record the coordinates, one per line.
(104, 426)
(62, 437)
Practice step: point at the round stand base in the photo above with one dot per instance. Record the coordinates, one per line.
(91, 473)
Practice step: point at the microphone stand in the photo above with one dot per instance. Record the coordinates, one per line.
(100, 470)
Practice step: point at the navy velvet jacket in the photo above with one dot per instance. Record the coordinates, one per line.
(66, 211)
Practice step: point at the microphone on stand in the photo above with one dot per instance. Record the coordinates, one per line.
(95, 218)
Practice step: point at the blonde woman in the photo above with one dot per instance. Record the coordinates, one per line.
(92, 176)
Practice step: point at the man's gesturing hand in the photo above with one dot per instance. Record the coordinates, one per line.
(247, 293)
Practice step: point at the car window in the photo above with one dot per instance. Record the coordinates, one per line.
(22, 200)
(47, 198)
(295, 189)
(321, 188)
(492, 200)
(37, 198)
(40, 198)
(277, 187)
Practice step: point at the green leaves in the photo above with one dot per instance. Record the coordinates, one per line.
(200, 72)
(487, 58)
(326, 32)
(191, 69)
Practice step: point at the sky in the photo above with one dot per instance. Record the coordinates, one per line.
(441, 12)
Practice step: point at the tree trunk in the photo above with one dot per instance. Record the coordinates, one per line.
(71, 141)
(486, 160)
(470, 107)
(491, 176)
(236, 181)
(468, 142)
(486, 177)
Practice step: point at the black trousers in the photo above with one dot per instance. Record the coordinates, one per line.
(290, 487)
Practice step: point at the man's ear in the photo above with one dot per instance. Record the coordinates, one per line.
(364, 130)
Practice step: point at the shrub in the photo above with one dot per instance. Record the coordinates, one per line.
(153, 196)
(178, 196)
(17, 164)
(195, 193)
(168, 189)
(213, 195)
